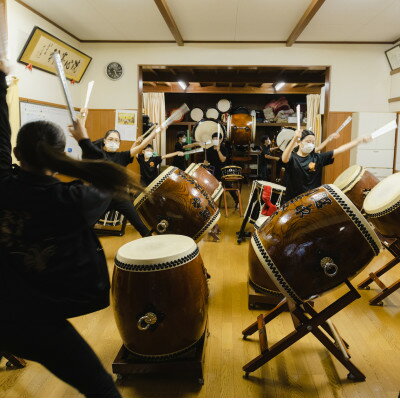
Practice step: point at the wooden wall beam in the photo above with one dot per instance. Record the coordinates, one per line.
(312, 9)
(169, 20)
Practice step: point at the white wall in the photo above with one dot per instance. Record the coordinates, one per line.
(395, 91)
(360, 74)
(35, 84)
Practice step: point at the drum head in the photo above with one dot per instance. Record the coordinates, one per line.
(156, 249)
(204, 130)
(212, 113)
(196, 114)
(349, 177)
(284, 137)
(261, 184)
(224, 105)
(384, 195)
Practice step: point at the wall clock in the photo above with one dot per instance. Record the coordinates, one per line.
(114, 70)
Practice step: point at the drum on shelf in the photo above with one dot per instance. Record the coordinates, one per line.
(196, 114)
(175, 203)
(284, 137)
(261, 281)
(204, 130)
(212, 113)
(231, 173)
(356, 182)
(206, 179)
(382, 206)
(159, 295)
(111, 223)
(241, 129)
(315, 242)
(255, 203)
(224, 105)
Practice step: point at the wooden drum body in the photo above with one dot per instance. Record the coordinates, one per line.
(356, 182)
(175, 203)
(315, 242)
(159, 295)
(241, 129)
(206, 179)
(382, 206)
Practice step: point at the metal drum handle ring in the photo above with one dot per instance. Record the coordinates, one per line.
(329, 267)
(162, 226)
(146, 321)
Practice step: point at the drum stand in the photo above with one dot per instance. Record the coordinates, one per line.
(242, 234)
(189, 364)
(257, 298)
(306, 320)
(393, 245)
(13, 362)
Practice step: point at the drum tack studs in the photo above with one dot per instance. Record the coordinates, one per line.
(146, 321)
(329, 267)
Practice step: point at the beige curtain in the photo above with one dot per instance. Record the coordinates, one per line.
(313, 116)
(154, 107)
(13, 107)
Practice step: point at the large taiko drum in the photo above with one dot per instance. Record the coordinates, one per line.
(314, 243)
(176, 203)
(206, 179)
(159, 295)
(204, 130)
(356, 182)
(241, 129)
(382, 206)
(261, 281)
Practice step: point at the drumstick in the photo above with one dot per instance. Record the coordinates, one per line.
(385, 129)
(88, 93)
(63, 80)
(177, 114)
(149, 130)
(219, 131)
(298, 116)
(341, 127)
(199, 150)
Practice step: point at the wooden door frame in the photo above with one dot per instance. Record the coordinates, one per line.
(327, 87)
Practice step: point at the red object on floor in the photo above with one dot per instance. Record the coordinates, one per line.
(268, 208)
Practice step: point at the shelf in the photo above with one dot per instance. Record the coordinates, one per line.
(258, 124)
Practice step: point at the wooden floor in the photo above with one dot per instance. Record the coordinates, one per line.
(304, 370)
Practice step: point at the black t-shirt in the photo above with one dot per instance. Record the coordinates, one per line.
(213, 159)
(265, 150)
(179, 161)
(305, 173)
(119, 157)
(149, 168)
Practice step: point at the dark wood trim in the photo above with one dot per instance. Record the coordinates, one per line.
(394, 99)
(396, 142)
(140, 101)
(47, 19)
(327, 103)
(397, 40)
(312, 9)
(45, 103)
(169, 20)
(395, 71)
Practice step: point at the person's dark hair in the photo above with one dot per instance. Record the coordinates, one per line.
(306, 133)
(264, 138)
(41, 144)
(100, 142)
(149, 146)
(180, 134)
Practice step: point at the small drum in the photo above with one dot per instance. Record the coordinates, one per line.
(204, 177)
(256, 203)
(204, 130)
(159, 295)
(231, 173)
(224, 105)
(241, 129)
(315, 242)
(382, 206)
(175, 203)
(356, 182)
(212, 113)
(197, 114)
(260, 280)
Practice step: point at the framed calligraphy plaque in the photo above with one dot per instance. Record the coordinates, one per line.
(40, 47)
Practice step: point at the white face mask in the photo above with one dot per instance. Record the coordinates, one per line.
(183, 140)
(307, 148)
(148, 154)
(215, 142)
(112, 146)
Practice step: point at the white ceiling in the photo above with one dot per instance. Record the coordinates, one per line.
(225, 20)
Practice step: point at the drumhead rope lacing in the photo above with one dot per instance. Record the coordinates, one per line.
(265, 290)
(385, 212)
(273, 271)
(373, 242)
(157, 267)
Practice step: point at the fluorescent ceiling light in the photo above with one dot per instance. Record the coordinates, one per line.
(183, 85)
(279, 85)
